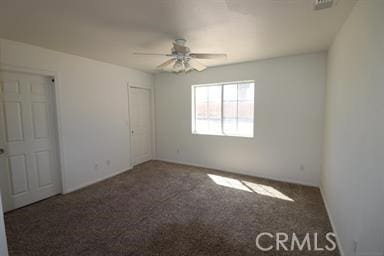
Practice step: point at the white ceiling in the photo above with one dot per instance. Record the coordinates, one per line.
(111, 30)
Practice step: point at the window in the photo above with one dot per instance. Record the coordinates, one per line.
(223, 109)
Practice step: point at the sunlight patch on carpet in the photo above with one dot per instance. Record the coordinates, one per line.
(249, 187)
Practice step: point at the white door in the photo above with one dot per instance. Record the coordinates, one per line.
(140, 105)
(28, 147)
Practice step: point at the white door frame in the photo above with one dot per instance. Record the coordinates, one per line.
(57, 113)
(150, 89)
(3, 237)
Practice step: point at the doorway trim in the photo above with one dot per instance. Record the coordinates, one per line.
(57, 113)
(152, 107)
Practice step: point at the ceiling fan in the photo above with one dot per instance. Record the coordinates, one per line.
(182, 59)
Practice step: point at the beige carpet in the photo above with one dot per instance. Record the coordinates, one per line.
(168, 209)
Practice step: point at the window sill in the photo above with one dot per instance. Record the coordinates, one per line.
(225, 135)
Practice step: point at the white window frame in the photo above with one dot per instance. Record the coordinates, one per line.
(193, 117)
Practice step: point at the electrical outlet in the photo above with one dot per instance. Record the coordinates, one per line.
(96, 166)
(178, 151)
(108, 162)
(302, 168)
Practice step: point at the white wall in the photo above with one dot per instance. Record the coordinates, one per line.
(93, 109)
(353, 176)
(288, 119)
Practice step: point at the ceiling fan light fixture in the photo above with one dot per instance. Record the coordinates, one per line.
(187, 67)
(178, 66)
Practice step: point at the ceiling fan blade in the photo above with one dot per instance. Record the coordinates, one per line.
(180, 48)
(197, 65)
(156, 54)
(208, 55)
(168, 62)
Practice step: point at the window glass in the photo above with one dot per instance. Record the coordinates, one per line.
(223, 109)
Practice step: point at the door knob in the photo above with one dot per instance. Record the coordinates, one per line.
(2, 151)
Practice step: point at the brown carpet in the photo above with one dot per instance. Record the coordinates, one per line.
(167, 209)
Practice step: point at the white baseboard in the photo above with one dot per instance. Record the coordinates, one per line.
(86, 184)
(241, 173)
(332, 222)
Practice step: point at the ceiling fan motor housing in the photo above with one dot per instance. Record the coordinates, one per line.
(180, 41)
